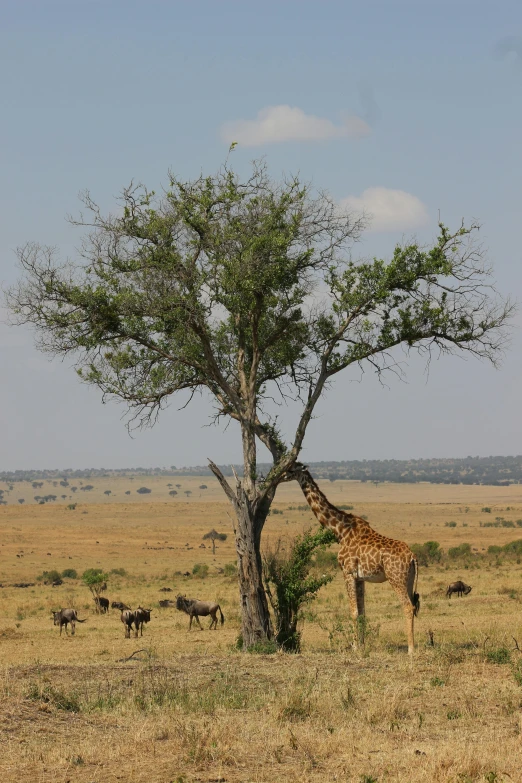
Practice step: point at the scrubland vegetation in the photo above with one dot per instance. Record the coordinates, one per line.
(191, 707)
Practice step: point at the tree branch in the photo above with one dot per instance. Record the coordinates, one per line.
(224, 484)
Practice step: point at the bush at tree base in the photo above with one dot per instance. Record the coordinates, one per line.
(287, 572)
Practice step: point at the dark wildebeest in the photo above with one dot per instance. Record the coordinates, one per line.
(141, 616)
(137, 618)
(197, 609)
(65, 616)
(458, 587)
(102, 604)
(119, 605)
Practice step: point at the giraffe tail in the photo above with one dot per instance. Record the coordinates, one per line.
(413, 577)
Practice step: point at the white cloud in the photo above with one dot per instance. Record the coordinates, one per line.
(388, 210)
(289, 123)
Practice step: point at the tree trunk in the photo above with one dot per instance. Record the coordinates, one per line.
(256, 625)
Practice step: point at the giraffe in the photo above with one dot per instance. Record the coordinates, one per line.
(364, 555)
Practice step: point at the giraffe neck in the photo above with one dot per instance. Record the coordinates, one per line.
(327, 514)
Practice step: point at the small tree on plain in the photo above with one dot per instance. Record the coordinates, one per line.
(96, 581)
(214, 536)
(247, 289)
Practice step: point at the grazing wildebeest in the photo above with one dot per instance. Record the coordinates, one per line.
(137, 618)
(458, 587)
(197, 609)
(165, 589)
(119, 605)
(141, 616)
(65, 616)
(127, 618)
(57, 583)
(102, 604)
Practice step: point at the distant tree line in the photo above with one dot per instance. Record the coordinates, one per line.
(496, 471)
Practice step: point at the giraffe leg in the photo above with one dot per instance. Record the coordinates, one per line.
(355, 598)
(359, 590)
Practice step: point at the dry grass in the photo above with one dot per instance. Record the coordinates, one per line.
(193, 709)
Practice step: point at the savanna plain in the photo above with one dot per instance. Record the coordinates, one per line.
(191, 707)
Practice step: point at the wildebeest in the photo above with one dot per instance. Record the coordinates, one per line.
(166, 603)
(102, 604)
(65, 616)
(119, 605)
(458, 587)
(57, 583)
(141, 616)
(137, 618)
(196, 609)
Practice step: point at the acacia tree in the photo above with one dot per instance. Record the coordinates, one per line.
(246, 288)
(214, 536)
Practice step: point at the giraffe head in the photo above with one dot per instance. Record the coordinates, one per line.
(292, 473)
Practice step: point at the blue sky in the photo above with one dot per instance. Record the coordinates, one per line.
(406, 108)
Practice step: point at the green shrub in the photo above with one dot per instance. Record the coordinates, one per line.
(94, 576)
(119, 571)
(69, 573)
(60, 699)
(459, 551)
(143, 491)
(230, 569)
(450, 524)
(265, 647)
(49, 576)
(200, 570)
(275, 511)
(486, 510)
(494, 549)
(72, 506)
(289, 584)
(513, 547)
(500, 655)
(429, 552)
(345, 507)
